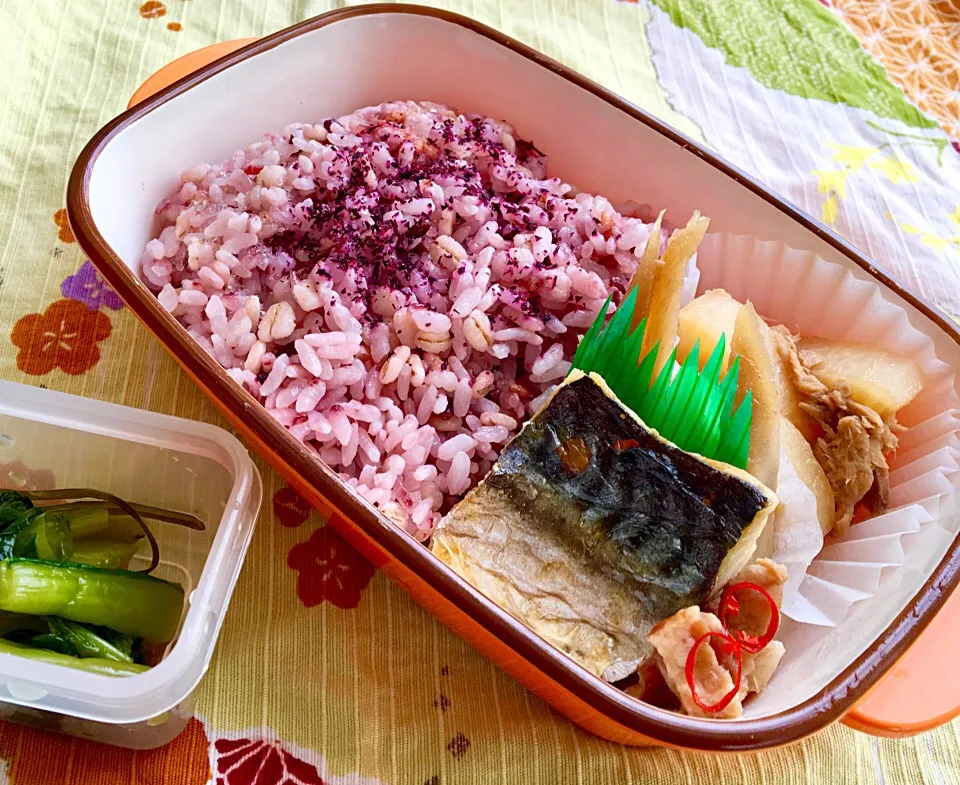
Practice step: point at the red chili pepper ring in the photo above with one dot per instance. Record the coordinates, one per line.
(730, 607)
(729, 646)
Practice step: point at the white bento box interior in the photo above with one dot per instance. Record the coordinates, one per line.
(370, 59)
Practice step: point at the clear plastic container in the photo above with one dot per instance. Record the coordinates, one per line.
(52, 440)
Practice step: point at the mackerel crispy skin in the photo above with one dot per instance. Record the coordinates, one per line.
(590, 528)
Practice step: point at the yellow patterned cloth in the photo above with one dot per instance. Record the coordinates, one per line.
(325, 671)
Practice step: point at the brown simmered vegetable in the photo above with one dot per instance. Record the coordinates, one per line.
(884, 381)
(706, 319)
(855, 440)
(713, 315)
(667, 288)
(645, 273)
(757, 375)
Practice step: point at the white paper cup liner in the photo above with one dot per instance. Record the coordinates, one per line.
(691, 280)
(813, 297)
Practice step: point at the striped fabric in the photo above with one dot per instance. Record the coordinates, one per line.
(351, 682)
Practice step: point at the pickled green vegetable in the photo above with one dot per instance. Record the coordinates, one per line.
(42, 640)
(103, 553)
(127, 645)
(87, 522)
(119, 528)
(92, 664)
(37, 535)
(84, 642)
(69, 637)
(62, 596)
(50, 533)
(101, 523)
(128, 602)
(12, 506)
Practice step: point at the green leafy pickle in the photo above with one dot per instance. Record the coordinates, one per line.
(103, 553)
(12, 506)
(85, 641)
(92, 664)
(37, 535)
(129, 602)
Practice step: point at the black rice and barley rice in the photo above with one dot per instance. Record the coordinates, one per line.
(400, 287)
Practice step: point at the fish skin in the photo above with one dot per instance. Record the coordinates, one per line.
(628, 526)
(590, 557)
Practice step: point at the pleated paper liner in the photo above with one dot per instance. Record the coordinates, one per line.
(883, 561)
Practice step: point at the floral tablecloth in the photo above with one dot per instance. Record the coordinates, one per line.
(325, 671)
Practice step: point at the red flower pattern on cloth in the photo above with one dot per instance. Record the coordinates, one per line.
(290, 508)
(329, 569)
(65, 336)
(63, 225)
(260, 762)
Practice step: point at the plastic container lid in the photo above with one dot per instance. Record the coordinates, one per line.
(52, 440)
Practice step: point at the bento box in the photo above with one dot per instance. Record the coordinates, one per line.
(49, 440)
(606, 146)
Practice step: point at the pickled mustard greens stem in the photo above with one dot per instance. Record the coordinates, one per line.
(84, 642)
(146, 511)
(99, 522)
(75, 494)
(83, 522)
(125, 601)
(103, 553)
(63, 535)
(37, 535)
(62, 596)
(45, 640)
(103, 667)
(67, 637)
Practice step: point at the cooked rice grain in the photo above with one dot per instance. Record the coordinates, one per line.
(400, 287)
